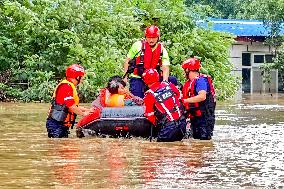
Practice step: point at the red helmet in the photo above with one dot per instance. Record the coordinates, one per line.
(74, 71)
(191, 64)
(152, 31)
(150, 76)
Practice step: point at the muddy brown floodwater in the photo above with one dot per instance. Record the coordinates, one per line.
(247, 151)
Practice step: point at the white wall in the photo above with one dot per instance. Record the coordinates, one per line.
(236, 51)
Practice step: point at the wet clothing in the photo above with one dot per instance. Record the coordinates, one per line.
(163, 109)
(137, 86)
(201, 114)
(146, 57)
(55, 129)
(172, 131)
(200, 129)
(60, 117)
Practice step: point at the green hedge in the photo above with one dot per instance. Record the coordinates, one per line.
(40, 38)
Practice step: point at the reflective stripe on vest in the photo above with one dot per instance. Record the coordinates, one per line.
(162, 98)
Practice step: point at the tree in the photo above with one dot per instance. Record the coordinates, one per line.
(41, 38)
(218, 8)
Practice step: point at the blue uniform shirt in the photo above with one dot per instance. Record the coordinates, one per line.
(201, 84)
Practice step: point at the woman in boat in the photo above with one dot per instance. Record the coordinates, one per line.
(116, 94)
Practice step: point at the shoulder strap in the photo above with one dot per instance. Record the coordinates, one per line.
(142, 52)
(192, 87)
(59, 84)
(161, 53)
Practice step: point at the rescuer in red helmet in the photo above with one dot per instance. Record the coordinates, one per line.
(163, 107)
(144, 54)
(65, 104)
(199, 100)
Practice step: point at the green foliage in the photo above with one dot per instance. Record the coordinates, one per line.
(7, 92)
(279, 64)
(40, 38)
(44, 87)
(218, 8)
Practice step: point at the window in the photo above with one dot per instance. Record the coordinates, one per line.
(252, 80)
(268, 58)
(258, 59)
(261, 58)
(246, 59)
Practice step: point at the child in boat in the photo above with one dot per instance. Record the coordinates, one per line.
(116, 94)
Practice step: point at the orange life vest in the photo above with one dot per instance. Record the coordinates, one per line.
(115, 100)
(112, 100)
(67, 116)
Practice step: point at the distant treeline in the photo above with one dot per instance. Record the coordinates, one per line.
(40, 38)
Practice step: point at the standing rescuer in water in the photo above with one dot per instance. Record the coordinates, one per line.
(199, 100)
(163, 108)
(65, 104)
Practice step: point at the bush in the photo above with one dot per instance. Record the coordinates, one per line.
(40, 38)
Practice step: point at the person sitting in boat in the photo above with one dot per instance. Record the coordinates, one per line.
(116, 94)
(163, 107)
(65, 104)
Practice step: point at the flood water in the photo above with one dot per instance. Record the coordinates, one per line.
(247, 151)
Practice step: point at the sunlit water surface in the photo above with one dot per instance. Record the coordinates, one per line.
(247, 151)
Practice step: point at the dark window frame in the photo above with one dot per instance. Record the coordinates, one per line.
(246, 59)
(258, 58)
(246, 80)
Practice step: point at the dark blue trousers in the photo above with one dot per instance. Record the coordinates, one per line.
(137, 87)
(172, 131)
(56, 129)
(200, 128)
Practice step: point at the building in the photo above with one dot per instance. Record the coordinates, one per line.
(249, 52)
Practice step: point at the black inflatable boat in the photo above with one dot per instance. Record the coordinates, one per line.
(128, 121)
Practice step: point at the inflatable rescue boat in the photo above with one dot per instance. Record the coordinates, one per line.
(127, 121)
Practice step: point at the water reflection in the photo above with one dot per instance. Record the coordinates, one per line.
(63, 157)
(175, 166)
(251, 156)
(246, 152)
